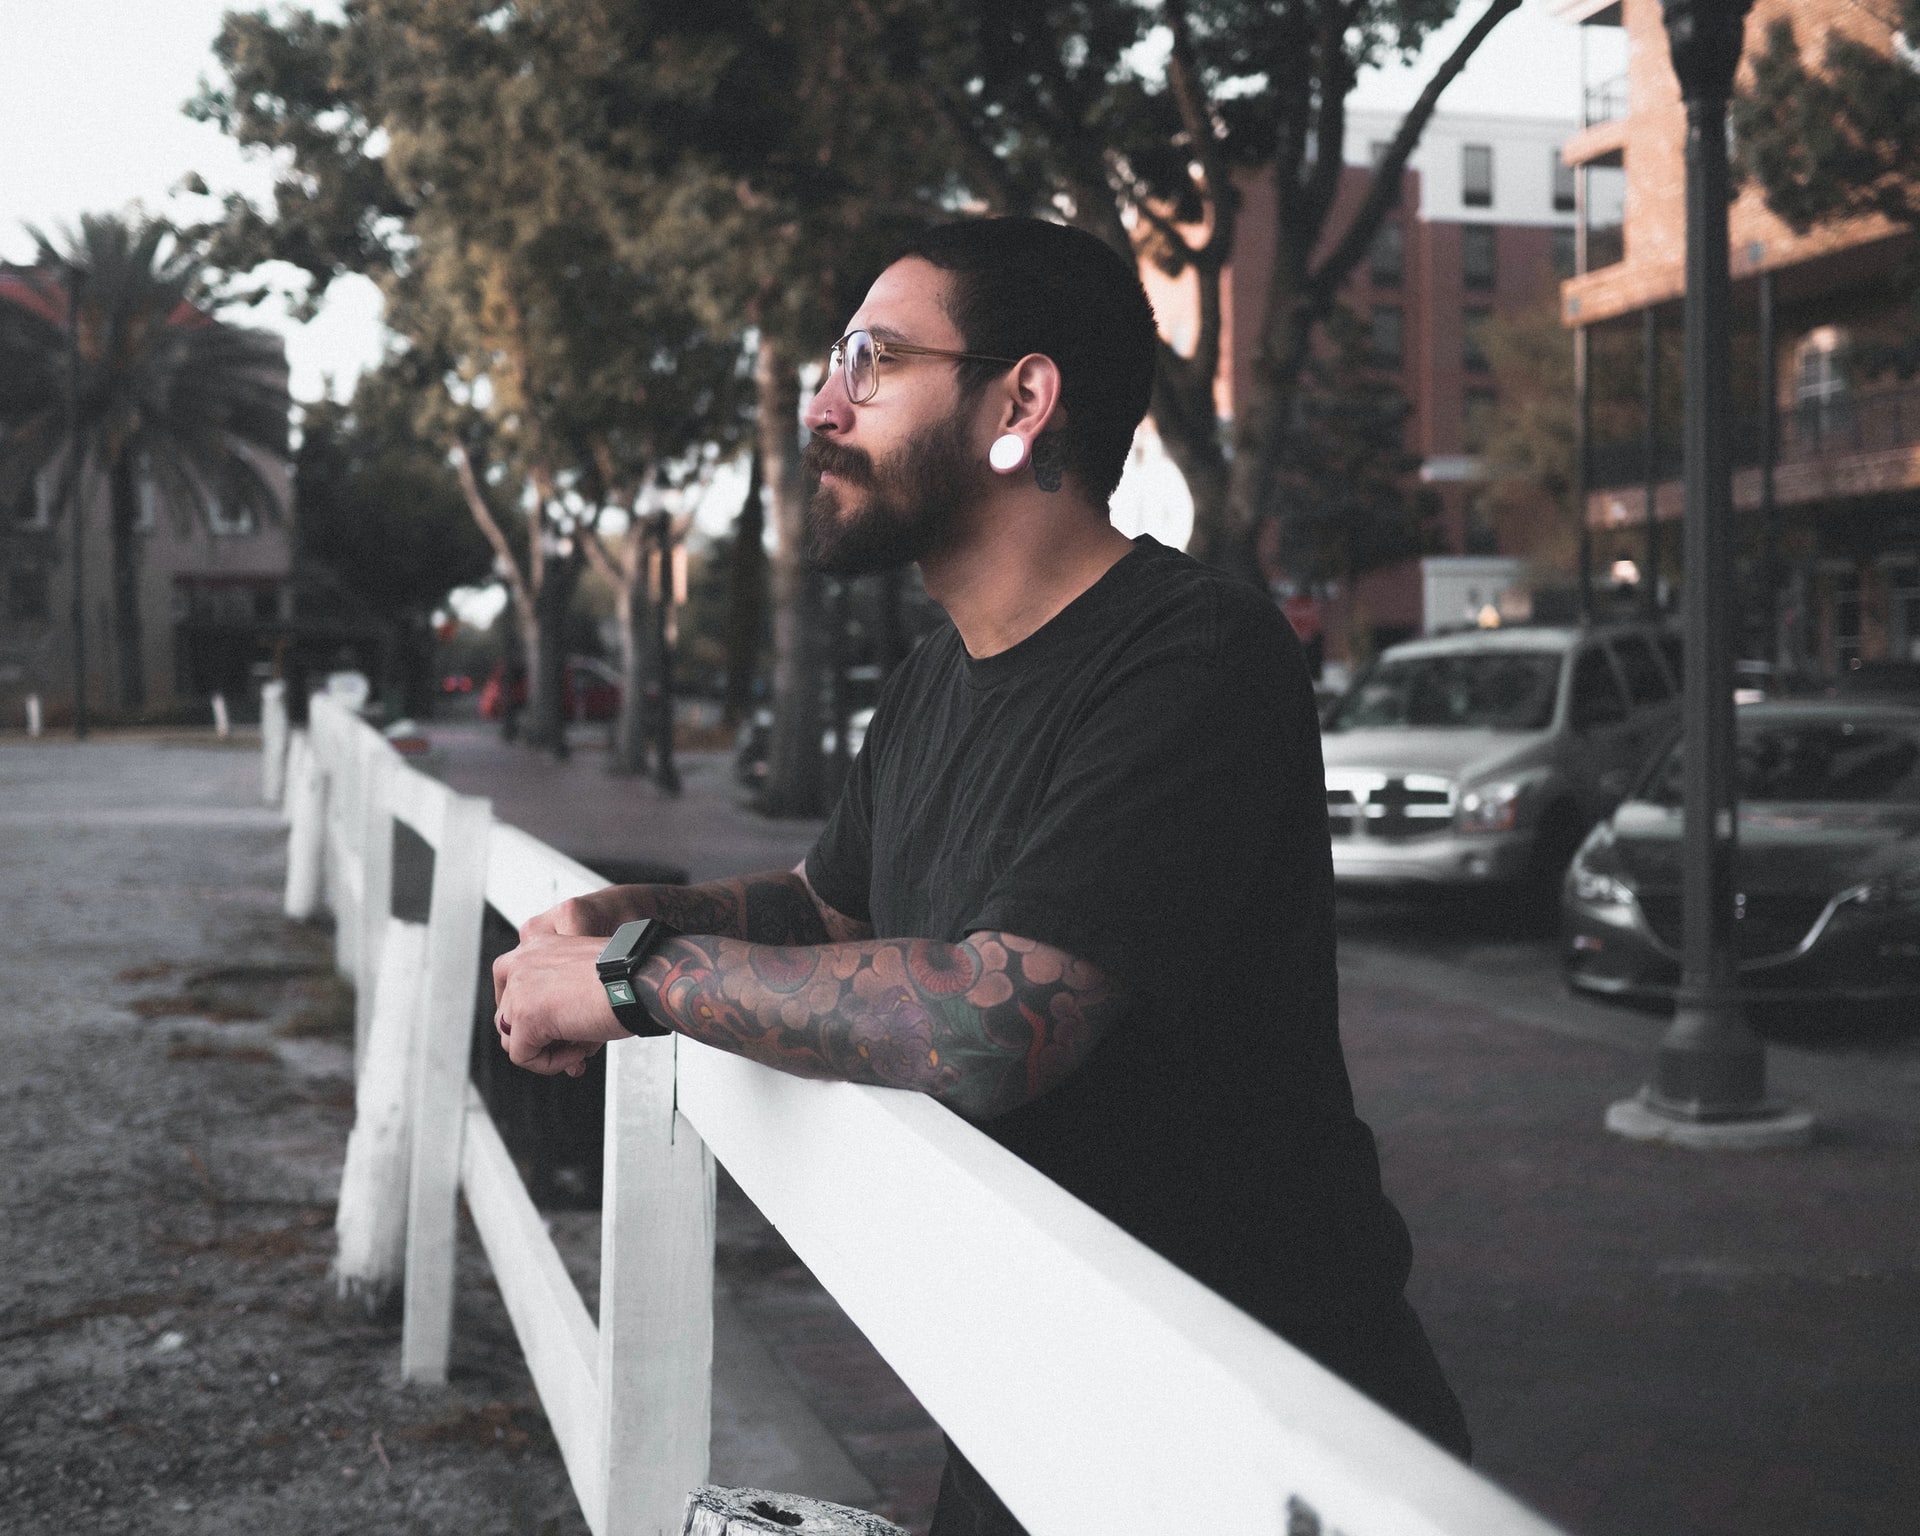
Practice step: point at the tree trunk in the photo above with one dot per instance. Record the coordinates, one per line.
(746, 597)
(795, 779)
(546, 725)
(125, 491)
(636, 651)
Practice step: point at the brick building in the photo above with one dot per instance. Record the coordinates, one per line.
(1827, 461)
(1485, 226)
(215, 597)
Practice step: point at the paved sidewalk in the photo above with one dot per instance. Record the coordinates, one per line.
(1647, 1340)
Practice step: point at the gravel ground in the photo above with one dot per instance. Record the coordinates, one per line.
(173, 1108)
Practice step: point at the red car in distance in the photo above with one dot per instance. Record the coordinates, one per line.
(592, 691)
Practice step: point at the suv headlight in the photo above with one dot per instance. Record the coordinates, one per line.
(1490, 808)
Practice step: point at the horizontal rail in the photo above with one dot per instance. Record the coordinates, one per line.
(1043, 1338)
(418, 801)
(556, 1334)
(525, 877)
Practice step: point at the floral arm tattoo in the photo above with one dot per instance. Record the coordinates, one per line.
(985, 1024)
(775, 908)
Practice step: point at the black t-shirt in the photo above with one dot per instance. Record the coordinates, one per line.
(1139, 783)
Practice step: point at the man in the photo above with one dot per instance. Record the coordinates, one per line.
(1078, 886)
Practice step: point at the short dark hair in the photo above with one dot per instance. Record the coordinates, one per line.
(1025, 285)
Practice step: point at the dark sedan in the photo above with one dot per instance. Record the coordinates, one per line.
(1827, 875)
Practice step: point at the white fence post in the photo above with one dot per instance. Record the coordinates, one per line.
(374, 835)
(273, 742)
(439, 1085)
(371, 1221)
(344, 868)
(656, 1299)
(307, 832)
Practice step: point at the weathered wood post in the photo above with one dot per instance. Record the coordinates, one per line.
(439, 1075)
(370, 1223)
(656, 1298)
(713, 1511)
(346, 873)
(273, 742)
(307, 829)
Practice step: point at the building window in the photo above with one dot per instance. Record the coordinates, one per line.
(1386, 338)
(1565, 251)
(1477, 255)
(1478, 533)
(1473, 332)
(1564, 192)
(1387, 256)
(1821, 399)
(1377, 151)
(1476, 175)
(27, 594)
(1903, 612)
(1476, 422)
(1603, 213)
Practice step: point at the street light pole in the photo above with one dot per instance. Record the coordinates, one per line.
(665, 774)
(1710, 1076)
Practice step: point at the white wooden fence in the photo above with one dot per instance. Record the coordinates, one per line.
(1097, 1387)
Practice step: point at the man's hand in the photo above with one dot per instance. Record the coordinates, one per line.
(549, 1006)
(594, 915)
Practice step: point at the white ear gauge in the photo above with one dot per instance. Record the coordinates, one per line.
(1008, 453)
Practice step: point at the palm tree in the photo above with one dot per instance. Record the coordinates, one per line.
(161, 392)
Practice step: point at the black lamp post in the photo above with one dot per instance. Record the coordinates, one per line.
(665, 773)
(1710, 1077)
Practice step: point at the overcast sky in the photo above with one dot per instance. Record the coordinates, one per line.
(90, 120)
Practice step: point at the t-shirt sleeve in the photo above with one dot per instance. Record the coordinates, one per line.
(1167, 816)
(840, 865)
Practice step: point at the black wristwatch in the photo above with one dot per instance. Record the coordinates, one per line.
(628, 949)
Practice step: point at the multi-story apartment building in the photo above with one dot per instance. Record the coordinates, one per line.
(1485, 226)
(215, 595)
(1827, 460)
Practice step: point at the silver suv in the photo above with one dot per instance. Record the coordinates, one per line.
(1483, 758)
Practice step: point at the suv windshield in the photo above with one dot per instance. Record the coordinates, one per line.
(1812, 761)
(1491, 690)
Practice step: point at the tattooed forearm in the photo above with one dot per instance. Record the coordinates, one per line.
(985, 1025)
(775, 908)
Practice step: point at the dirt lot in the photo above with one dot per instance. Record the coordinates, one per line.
(174, 1108)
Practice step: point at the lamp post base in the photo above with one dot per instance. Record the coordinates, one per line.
(1761, 1128)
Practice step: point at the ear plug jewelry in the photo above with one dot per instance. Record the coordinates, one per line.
(1008, 453)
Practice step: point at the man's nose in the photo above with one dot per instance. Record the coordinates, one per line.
(829, 410)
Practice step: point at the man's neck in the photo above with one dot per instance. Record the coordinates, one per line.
(1028, 554)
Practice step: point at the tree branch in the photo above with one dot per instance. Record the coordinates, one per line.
(1384, 190)
(483, 516)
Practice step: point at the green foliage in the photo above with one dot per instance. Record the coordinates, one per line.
(1340, 485)
(1839, 139)
(379, 509)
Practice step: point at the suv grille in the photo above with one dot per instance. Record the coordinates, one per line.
(1387, 806)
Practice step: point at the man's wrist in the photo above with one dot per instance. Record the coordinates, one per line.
(631, 946)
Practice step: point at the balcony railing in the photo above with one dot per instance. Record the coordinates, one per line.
(1878, 422)
(1606, 102)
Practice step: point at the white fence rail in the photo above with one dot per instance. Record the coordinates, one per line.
(1098, 1388)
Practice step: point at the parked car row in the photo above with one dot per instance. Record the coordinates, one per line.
(1547, 761)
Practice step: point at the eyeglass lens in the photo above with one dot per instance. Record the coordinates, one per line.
(862, 367)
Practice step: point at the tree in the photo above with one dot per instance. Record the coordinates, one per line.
(499, 170)
(1340, 479)
(1839, 139)
(378, 514)
(164, 395)
(1058, 112)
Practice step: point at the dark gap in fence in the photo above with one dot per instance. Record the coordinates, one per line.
(553, 1126)
(412, 874)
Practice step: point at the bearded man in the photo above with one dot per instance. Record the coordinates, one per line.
(1078, 887)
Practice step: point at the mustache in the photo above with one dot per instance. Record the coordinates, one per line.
(824, 456)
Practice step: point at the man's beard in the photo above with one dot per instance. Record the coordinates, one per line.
(915, 501)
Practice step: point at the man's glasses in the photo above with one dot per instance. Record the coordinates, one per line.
(857, 355)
